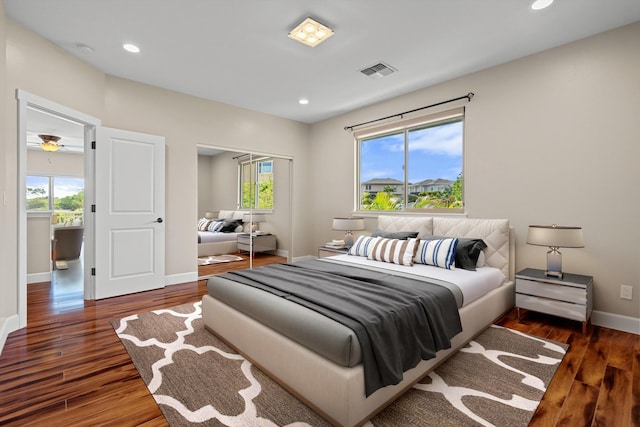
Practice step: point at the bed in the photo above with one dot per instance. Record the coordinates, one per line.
(215, 242)
(336, 388)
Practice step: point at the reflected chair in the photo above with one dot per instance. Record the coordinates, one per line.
(66, 245)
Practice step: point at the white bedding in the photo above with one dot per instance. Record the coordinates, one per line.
(473, 284)
(213, 237)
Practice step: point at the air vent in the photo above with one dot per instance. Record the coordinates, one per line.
(378, 71)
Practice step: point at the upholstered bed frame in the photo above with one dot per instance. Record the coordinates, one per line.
(335, 391)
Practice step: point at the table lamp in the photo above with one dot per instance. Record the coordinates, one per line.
(348, 225)
(555, 236)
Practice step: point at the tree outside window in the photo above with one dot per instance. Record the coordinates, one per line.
(63, 196)
(256, 184)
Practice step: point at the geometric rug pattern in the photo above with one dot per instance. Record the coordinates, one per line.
(498, 379)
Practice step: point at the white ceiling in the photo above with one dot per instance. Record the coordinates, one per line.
(238, 52)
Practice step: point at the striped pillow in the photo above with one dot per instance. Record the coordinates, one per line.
(203, 224)
(362, 246)
(216, 225)
(440, 253)
(394, 250)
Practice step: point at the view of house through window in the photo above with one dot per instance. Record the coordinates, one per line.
(63, 196)
(413, 168)
(256, 184)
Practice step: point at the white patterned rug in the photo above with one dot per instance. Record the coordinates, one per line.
(497, 380)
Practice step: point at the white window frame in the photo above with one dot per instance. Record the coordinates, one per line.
(404, 126)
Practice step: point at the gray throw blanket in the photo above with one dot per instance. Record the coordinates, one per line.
(399, 321)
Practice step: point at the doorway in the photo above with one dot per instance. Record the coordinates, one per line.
(55, 204)
(76, 131)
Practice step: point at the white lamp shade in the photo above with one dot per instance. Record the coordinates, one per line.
(555, 236)
(348, 224)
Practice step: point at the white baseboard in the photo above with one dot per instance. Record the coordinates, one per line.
(176, 279)
(282, 253)
(616, 321)
(304, 257)
(38, 277)
(8, 325)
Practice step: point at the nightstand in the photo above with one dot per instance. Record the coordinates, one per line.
(324, 251)
(570, 297)
(257, 242)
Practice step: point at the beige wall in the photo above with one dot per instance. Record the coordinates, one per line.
(59, 163)
(205, 190)
(223, 169)
(550, 138)
(38, 244)
(8, 269)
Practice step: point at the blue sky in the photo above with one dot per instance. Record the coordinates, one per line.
(434, 152)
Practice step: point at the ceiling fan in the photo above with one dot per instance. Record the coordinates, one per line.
(50, 142)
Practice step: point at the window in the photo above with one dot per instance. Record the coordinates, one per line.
(412, 165)
(256, 178)
(63, 196)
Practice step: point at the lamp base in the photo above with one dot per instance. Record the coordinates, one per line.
(554, 263)
(348, 239)
(558, 274)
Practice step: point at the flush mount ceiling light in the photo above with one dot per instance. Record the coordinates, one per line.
(541, 4)
(303, 101)
(311, 32)
(50, 142)
(131, 48)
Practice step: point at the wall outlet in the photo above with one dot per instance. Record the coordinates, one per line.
(626, 292)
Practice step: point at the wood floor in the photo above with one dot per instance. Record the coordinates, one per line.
(69, 368)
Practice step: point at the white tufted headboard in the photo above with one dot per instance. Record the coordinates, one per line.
(496, 233)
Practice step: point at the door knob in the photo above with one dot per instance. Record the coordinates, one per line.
(159, 220)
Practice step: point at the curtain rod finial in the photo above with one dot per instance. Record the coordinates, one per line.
(470, 95)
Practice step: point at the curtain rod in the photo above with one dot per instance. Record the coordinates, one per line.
(467, 96)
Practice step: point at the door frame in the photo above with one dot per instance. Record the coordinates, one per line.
(24, 100)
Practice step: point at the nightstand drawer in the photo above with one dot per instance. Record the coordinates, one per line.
(261, 242)
(549, 290)
(324, 251)
(552, 306)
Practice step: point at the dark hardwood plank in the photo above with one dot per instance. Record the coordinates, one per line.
(68, 367)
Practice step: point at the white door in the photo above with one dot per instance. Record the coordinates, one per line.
(129, 212)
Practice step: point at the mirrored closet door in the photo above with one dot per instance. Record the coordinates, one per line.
(249, 192)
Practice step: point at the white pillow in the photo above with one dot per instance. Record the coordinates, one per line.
(362, 246)
(440, 253)
(394, 250)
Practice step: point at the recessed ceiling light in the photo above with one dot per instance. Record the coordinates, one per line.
(541, 4)
(303, 101)
(131, 48)
(310, 32)
(87, 50)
